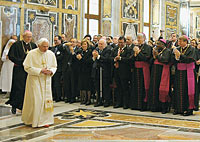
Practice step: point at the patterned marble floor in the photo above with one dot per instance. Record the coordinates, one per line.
(74, 122)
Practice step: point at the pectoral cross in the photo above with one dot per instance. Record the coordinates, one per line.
(44, 64)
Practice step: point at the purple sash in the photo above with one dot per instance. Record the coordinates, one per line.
(164, 83)
(191, 81)
(146, 73)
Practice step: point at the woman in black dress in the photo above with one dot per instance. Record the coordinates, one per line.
(85, 61)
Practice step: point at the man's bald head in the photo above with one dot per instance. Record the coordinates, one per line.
(27, 36)
(129, 40)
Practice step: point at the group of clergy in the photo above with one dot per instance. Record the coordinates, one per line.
(129, 74)
(112, 71)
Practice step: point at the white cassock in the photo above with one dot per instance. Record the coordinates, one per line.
(6, 70)
(38, 103)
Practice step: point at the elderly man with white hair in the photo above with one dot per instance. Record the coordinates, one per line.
(40, 64)
(17, 54)
(101, 58)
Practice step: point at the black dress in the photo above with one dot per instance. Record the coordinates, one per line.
(85, 70)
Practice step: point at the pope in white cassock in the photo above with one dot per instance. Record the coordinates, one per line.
(40, 64)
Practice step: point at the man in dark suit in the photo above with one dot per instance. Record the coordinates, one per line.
(120, 57)
(75, 68)
(171, 44)
(129, 42)
(173, 41)
(68, 80)
(101, 58)
(56, 80)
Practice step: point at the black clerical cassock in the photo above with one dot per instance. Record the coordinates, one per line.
(17, 54)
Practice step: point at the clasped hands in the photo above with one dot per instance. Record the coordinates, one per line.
(46, 71)
(155, 53)
(177, 53)
(137, 50)
(79, 57)
(95, 54)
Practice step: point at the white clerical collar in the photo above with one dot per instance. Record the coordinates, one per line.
(26, 42)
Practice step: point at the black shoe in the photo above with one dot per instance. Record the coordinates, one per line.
(98, 104)
(188, 113)
(58, 100)
(175, 112)
(164, 111)
(72, 101)
(67, 101)
(125, 107)
(13, 110)
(106, 105)
(117, 106)
(143, 109)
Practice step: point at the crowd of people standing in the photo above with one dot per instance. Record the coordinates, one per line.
(119, 71)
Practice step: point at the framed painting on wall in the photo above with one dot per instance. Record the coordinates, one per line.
(130, 9)
(171, 14)
(130, 29)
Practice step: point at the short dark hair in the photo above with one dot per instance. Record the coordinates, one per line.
(122, 38)
(59, 37)
(110, 37)
(173, 33)
(88, 36)
(194, 41)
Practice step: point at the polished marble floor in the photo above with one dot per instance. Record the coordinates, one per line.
(75, 122)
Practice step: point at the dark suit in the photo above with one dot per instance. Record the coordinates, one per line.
(76, 71)
(103, 61)
(56, 80)
(122, 76)
(68, 81)
(130, 46)
(169, 44)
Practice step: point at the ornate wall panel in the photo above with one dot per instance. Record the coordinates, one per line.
(106, 25)
(70, 23)
(70, 4)
(9, 23)
(171, 15)
(43, 17)
(130, 9)
(52, 3)
(171, 19)
(107, 8)
(130, 29)
(41, 24)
